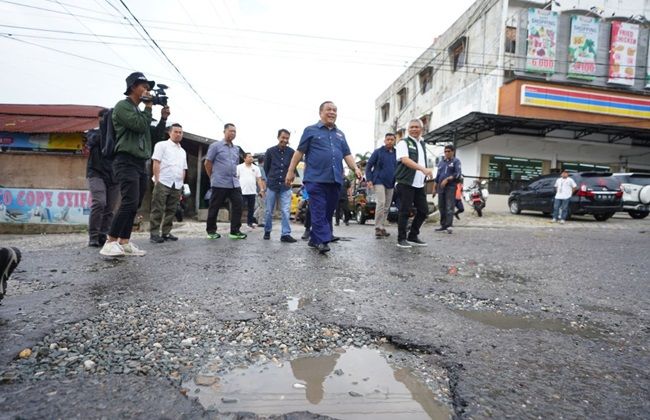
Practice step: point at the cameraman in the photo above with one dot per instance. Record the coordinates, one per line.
(133, 143)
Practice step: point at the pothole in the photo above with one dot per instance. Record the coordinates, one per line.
(353, 383)
(510, 322)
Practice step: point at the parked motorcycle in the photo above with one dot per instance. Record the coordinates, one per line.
(476, 195)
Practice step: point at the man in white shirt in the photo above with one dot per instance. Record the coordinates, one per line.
(564, 189)
(410, 175)
(169, 167)
(250, 178)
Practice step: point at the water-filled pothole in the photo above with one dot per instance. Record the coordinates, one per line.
(510, 322)
(354, 384)
(295, 303)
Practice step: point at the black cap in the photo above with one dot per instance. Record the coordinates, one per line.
(137, 77)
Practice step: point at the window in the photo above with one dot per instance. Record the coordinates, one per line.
(426, 79)
(402, 98)
(426, 120)
(511, 39)
(458, 54)
(385, 112)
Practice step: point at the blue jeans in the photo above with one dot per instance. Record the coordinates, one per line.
(285, 207)
(560, 207)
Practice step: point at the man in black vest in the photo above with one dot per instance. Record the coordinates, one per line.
(410, 175)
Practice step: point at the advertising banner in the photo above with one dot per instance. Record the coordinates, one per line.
(542, 39)
(28, 205)
(54, 141)
(583, 45)
(622, 53)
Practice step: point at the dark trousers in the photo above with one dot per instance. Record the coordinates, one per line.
(249, 200)
(411, 196)
(342, 211)
(105, 197)
(164, 201)
(323, 198)
(131, 174)
(217, 199)
(446, 203)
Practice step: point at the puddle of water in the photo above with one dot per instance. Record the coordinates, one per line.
(510, 322)
(295, 303)
(607, 310)
(356, 384)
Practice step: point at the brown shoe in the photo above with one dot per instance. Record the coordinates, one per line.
(379, 233)
(386, 234)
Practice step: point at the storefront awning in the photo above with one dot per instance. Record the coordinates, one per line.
(477, 126)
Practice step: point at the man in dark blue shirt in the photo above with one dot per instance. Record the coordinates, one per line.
(380, 174)
(449, 172)
(276, 164)
(324, 147)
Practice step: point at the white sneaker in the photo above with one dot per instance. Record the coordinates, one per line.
(131, 250)
(561, 222)
(112, 249)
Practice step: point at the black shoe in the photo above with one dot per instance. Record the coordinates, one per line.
(311, 244)
(287, 238)
(415, 241)
(323, 248)
(347, 223)
(156, 239)
(94, 243)
(403, 243)
(336, 224)
(335, 239)
(267, 235)
(457, 216)
(170, 237)
(441, 229)
(305, 236)
(101, 240)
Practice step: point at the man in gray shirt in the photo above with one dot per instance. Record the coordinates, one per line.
(221, 165)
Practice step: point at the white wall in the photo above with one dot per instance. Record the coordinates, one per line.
(552, 149)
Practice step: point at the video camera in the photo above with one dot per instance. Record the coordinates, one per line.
(160, 98)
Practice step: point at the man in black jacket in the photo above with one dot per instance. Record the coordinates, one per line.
(104, 190)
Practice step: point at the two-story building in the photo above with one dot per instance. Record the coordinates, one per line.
(522, 88)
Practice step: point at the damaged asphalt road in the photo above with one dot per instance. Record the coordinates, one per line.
(515, 321)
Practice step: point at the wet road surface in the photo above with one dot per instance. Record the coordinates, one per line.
(505, 320)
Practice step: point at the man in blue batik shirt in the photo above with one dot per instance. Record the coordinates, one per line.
(449, 172)
(324, 147)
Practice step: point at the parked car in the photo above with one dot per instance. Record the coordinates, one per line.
(598, 194)
(636, 193)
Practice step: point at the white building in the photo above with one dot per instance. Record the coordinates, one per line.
(525, 87)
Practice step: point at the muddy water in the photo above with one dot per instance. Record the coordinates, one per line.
(355, 384)
(509, 322)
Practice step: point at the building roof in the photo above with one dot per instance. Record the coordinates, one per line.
(477, 126)
(18, 118)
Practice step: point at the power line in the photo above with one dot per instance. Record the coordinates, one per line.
(170, 61)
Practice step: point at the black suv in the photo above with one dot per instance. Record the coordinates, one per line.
(599, 194)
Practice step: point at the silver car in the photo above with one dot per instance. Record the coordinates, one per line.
(636, 193)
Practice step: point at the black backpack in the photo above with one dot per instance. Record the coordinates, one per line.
(107, 135)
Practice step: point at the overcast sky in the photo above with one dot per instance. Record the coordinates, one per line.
(260, 64)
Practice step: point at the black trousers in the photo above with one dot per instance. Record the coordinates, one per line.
(131, 174)
(217, 199)
(446, 204)
(411, 196)
(342, 211)
(249, 200)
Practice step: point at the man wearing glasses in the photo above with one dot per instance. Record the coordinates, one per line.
(449, 172)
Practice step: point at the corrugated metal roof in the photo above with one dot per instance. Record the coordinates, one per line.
(20, 118)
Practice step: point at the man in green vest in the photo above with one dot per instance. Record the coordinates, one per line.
(410, 175)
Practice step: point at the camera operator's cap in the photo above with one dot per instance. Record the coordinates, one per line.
(137, 77)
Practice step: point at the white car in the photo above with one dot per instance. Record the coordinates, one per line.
(636, 193)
